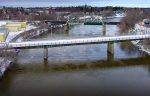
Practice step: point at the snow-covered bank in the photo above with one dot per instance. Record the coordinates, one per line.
(4, 65)
(12, 35)
(141, 45)
(145, 49)
(2, 23)
(18, 37)
(5, 62)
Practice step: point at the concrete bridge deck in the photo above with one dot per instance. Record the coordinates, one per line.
(68, 42)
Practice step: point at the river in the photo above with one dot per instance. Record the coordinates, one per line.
(83, 70)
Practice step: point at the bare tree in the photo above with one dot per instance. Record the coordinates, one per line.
(132, 17)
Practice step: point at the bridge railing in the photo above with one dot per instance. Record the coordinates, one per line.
(76, 41)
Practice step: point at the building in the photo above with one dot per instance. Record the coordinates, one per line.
(15, 26)
(3, 34)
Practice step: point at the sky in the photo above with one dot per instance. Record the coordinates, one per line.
(54, 3)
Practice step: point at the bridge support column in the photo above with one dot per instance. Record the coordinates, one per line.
(45, 53)
(104, 29)
(67, 27)
(110, 51)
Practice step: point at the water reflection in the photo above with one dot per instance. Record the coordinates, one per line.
(49, 66)
(102, 77)
(128, 47)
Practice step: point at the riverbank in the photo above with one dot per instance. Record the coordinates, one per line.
(5, 62)
(12, 35)
(141, 44)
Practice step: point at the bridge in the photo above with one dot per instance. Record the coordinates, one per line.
(101, 23)
(68, 42)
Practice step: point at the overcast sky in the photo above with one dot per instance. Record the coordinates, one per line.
(100, 3)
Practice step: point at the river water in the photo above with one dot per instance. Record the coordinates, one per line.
(83, 70)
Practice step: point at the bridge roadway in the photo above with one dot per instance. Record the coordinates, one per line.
(68, 42)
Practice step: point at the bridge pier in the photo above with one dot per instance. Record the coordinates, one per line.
(104, 29)
(110, 51)
(67, 27)
(45, 53)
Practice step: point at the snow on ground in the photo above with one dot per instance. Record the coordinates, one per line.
(5, 63)
(141, 28)
(119, 15)
(89, 17)
(2, 23)
(12, 35)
